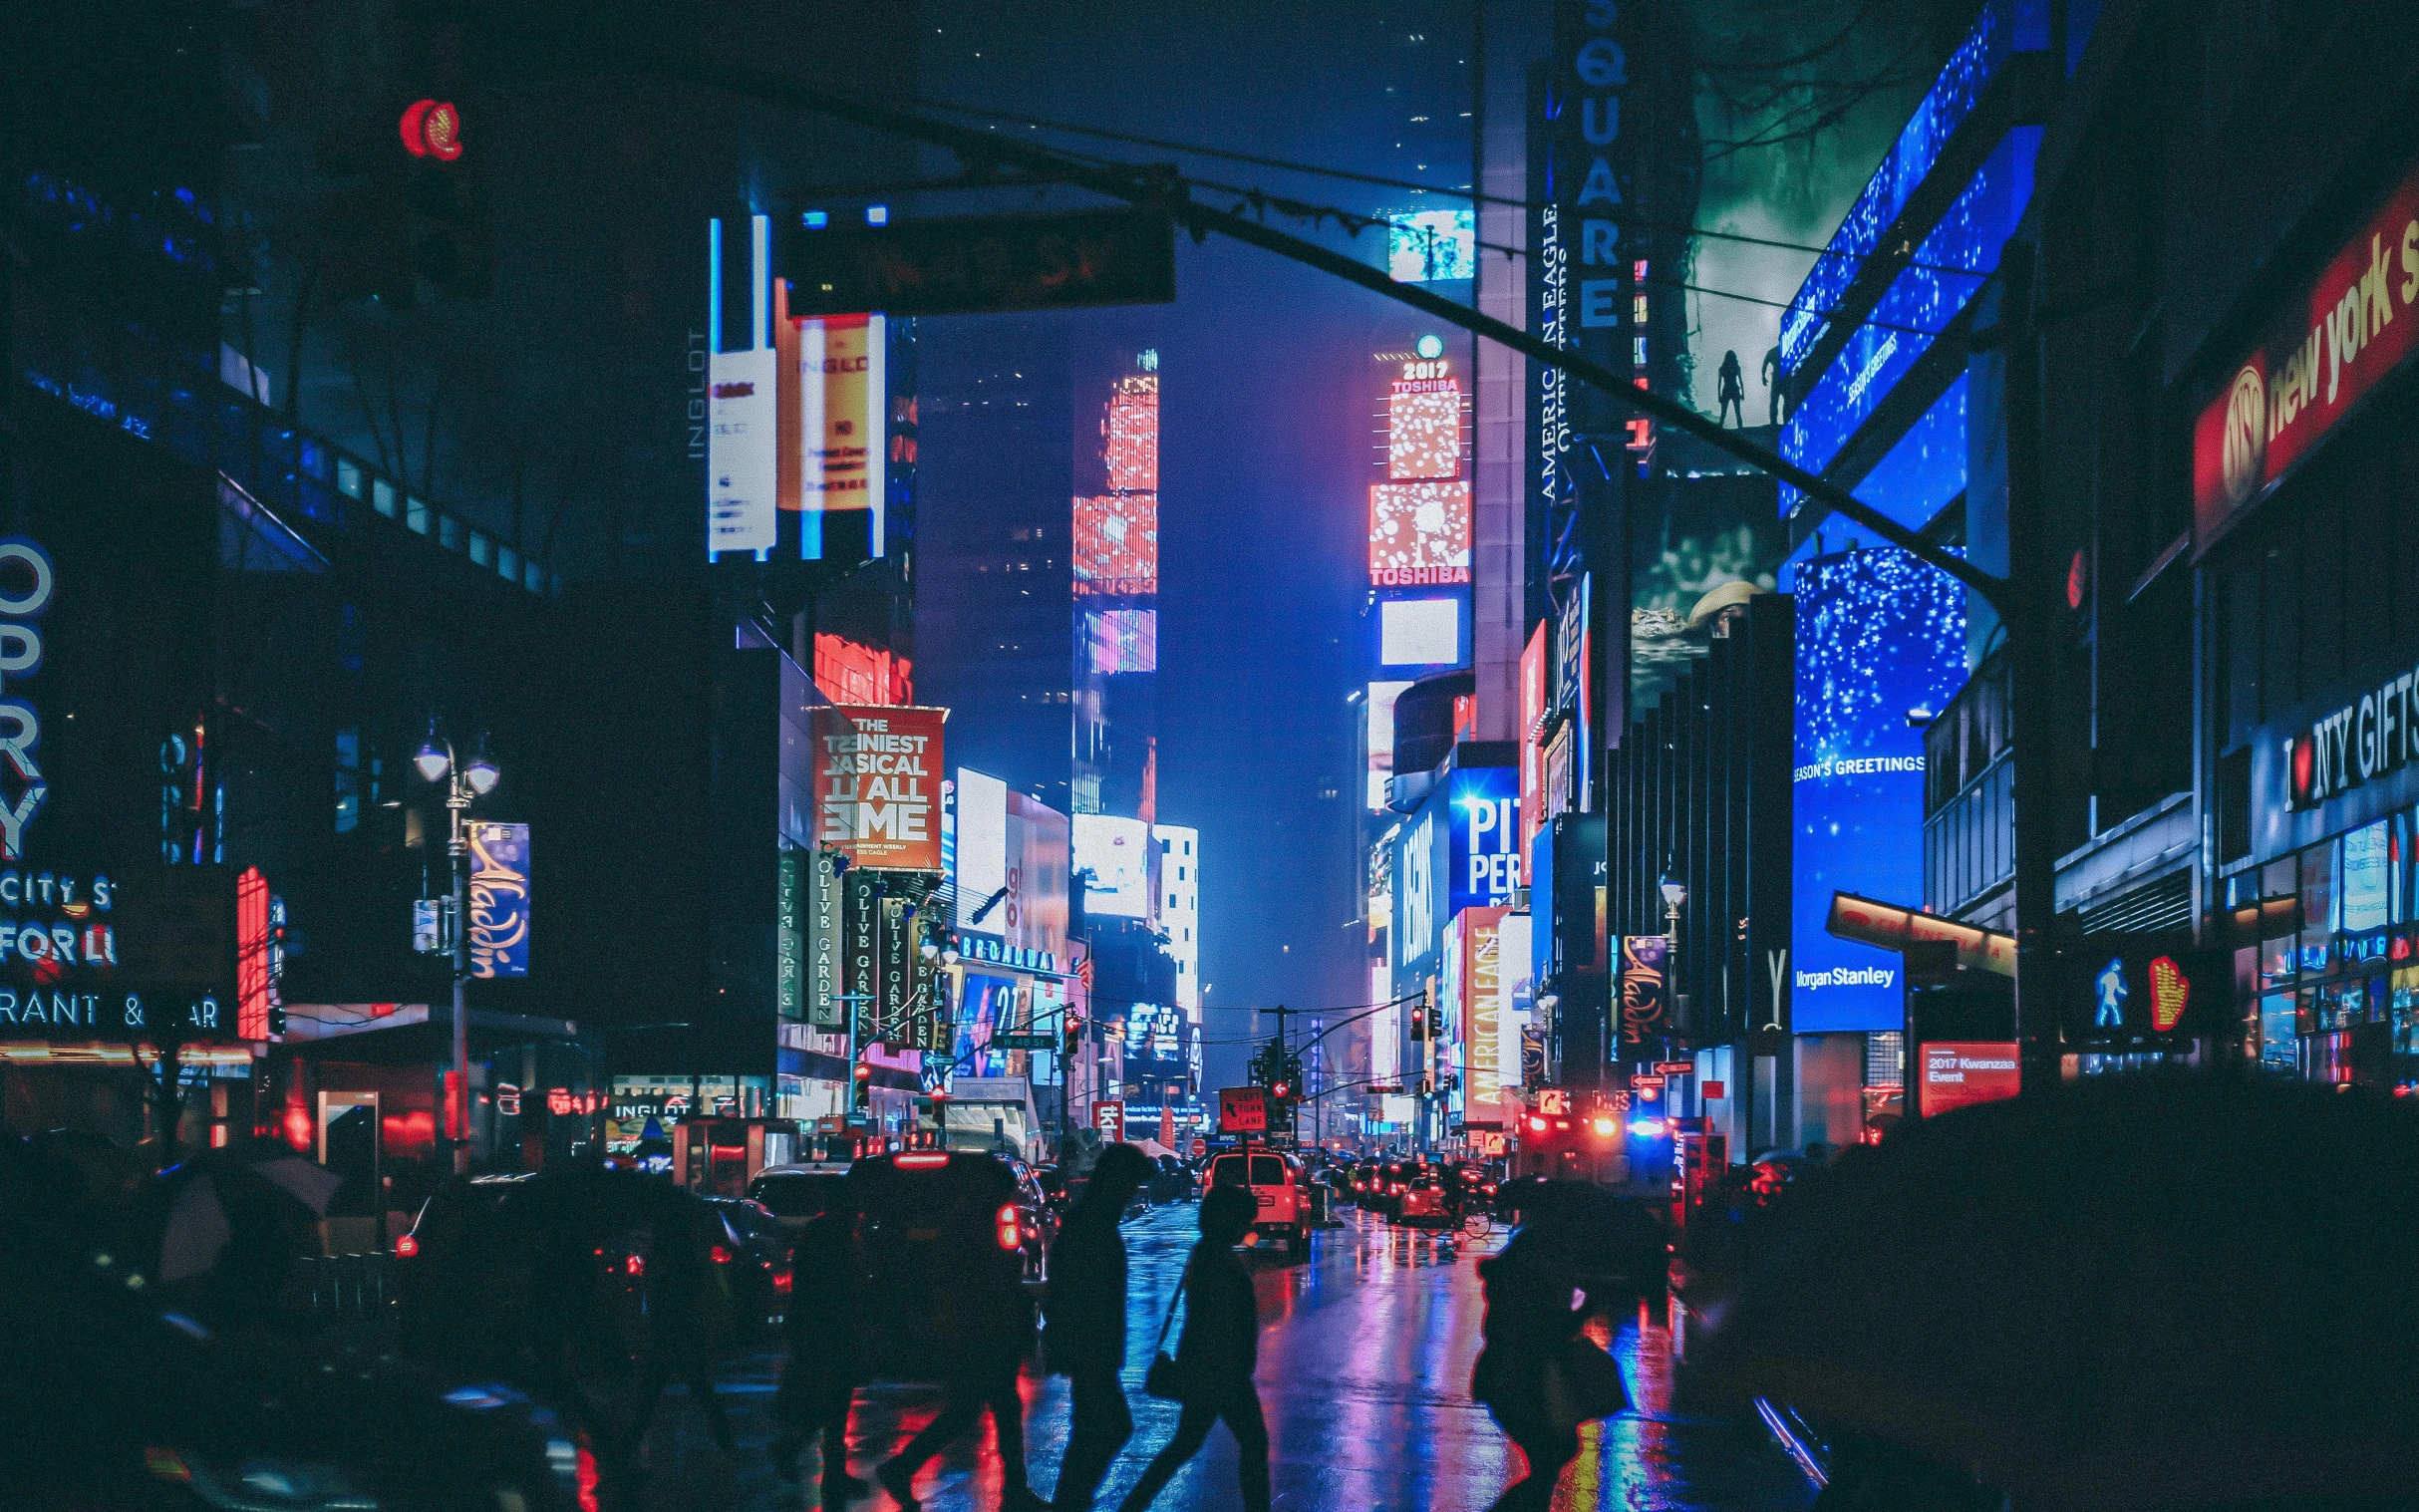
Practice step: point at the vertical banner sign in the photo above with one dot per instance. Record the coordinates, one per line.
(790, 936)
(1482, 969)
(860, 944)
(1532, 757)
(27, 584)
(826, 948)
(742, 387)
(843, 391)
(895, 987)
(499, 900)
(253, 986)
(1644, 990)
(877, 798)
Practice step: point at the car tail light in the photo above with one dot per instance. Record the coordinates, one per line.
(405, 1247)
(1009, 1228)
(921, 1161)
(634, 1264)
(584, 1478)
(1537, 1126)
(721, 1254)
(782, 1282)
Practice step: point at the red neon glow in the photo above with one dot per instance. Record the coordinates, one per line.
(852, 674)
(409, 126)
(298, 1127)
(584, 1480)
(636, 1265)
(720, 1254)
(432, 129)
(251, 955)
(921, 1161)
(407, 1247)
(782, 1282)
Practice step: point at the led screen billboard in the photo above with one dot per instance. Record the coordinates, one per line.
(1422, 867)
(1129, 433)
(1116, 544)
(742, 460)
(979, 856)
(1381, 713)
(1419, 534)
(1033, 916)
(1424, 427)
(844, 406)
(1877, 634)
(1485, 857)
(1419, 631)
(1118, 853)
(1121, 640)
(1480, 1010)
(1948, 268)
(1430, 246)
(1698, 548)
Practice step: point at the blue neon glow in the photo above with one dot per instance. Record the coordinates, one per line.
(2002, 28)
(1878, 633)
(1920, 302)
(877, 215)
(1927, 469)
(815, 220)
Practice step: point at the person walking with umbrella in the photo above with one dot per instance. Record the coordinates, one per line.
(1214, 1357)
(1540, 1379)
(1086, 1334)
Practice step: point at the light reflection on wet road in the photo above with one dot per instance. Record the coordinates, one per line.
(1364, 1374)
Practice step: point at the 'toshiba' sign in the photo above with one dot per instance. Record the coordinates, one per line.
(2331, 344)
(877, 790)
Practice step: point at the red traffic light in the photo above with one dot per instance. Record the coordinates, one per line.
(864, 1071)
(1282, 1089)
(432, 129)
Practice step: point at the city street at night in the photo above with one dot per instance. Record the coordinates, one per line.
(1342, 756)
(1364, 1369)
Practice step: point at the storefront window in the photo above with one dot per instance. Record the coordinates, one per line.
(2319, 916)
(2406, 1011)
(2365, 901)
(2276, 961)
(2403, 868)
(2279, 1034)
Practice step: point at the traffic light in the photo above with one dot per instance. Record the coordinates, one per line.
(1074, 1034)
(864, 1075)
(1419, 1020)
(453, 246)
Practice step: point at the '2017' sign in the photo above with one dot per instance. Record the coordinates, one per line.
(26, 583)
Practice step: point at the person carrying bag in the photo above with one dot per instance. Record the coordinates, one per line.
(1211, 1370)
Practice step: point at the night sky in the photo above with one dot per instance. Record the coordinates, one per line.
(1265, 457)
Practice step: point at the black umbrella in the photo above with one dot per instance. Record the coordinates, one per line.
(2143, 1292)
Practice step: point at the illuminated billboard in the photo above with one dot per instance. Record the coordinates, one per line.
(844, 400)
(877, 786)
(1430, 246)
(1117, 852)
(849, 672)
(1480, 1011)
(1532, 757)
(1424, 427)
(1877, 634)
(1123, 640)
(1117, 544)
(1419, 534)
(1419, 631)
(1485, 855)
(743, 394)
(1130, 434)
(1381, 712)
(1011, 866)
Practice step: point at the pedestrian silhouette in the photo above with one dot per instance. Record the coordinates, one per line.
(1086, 1334)
(1772, 385)
(686, 1309)
(988, 1331)
(826, 1360)
(1215, 1356)
(1733, 391)
(1538, 1379)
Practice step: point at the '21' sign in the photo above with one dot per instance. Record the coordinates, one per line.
(27, 584)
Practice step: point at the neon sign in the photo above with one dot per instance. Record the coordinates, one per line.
(20, 657)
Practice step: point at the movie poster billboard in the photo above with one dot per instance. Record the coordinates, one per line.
(878, 785)
(1700, 548)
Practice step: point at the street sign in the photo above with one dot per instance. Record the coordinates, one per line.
(1713, 1092)
(1676, 1068)
(1242, 1111)
(1646, 1081)
(1554, 1101)
(1042, 1041)
(979, 264)
(1200, 1146)
(1109, 1117)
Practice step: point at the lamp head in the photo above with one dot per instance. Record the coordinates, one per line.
(432, 760)
(949, 955)
(480, 771)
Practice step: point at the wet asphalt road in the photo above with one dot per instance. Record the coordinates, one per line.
(1365, 1373)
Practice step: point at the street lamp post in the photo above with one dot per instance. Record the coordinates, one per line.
(1675, 893)
(464, 781)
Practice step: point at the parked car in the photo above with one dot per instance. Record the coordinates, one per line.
(1280, 1197)
(753, 1259)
